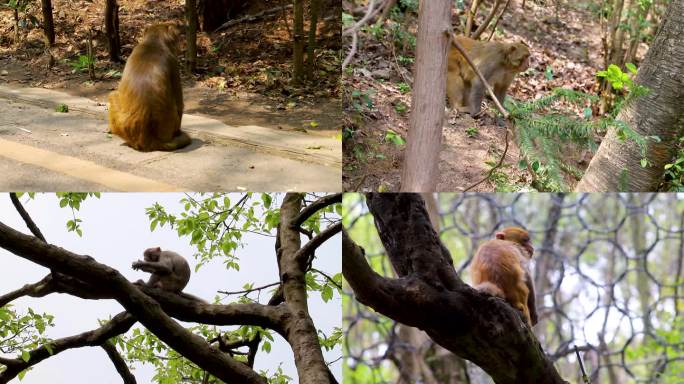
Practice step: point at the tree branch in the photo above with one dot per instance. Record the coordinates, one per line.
(119, 324)
(315, 207)
(26, 217)
(119, 362)
(145, 309)
(301, 256)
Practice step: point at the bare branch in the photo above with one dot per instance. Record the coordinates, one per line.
(26, 217)
(119, 362)
(303, 253)
(316, 206)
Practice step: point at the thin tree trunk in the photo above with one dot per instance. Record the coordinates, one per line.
(48, 24)
(314, 9)
(112, 30)
(16, 27)
(429, 97)
(615, 167)
(487, 20)
(191, 35)
(636, 32)
(471, 17)
(298, 43)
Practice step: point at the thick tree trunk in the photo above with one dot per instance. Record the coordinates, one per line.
(112, 30)
(216, 12)
(616, 167)
(429, 97)
(48, 24)
(191, 35)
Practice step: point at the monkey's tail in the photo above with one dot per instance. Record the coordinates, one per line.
(490, 288)
(179, 141)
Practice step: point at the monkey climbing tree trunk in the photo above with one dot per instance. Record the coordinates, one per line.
(191, 35)
(428, 99)
(298, 42)
(48, 24)
(428, 294)
(616, 165)
(112, 29)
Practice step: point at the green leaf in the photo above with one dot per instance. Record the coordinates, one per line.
(266, 346)
(26, 356)
(631, 67)
(266, 199)
(327, 293)
(535, 166)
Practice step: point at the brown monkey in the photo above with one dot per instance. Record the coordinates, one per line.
(170, 271)
(498, 63)
(147, 108)
(500, 268)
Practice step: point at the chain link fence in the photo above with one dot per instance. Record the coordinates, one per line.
(608, 275)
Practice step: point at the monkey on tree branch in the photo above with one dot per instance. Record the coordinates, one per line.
(160, 303)
(429, 295)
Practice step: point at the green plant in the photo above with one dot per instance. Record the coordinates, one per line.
(62, 108)
(472, 132)
(674, 171)
(394, 138)
(548, 73)
(400, 107)
(622, 84)
(82, 63)
(403, 87)
(362, 99)
(618, 80)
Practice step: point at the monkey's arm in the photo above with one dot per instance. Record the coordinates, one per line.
(153, 267)
(531, 305)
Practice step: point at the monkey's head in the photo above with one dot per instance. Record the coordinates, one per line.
(518, 56)
(152, 254)
(167, 34)
(519, 236)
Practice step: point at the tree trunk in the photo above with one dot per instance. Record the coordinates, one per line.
(298, 42)
(615, 167)
(112, 30)
(48, 24)
(216, 12)
(16, 26)
(191, 35)
(429, 97)
(314, 9)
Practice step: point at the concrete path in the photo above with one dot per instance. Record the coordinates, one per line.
(44, 150)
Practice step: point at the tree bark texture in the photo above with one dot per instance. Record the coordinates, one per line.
(616, 167)
(421, 161)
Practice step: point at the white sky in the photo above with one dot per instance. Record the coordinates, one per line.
(115, 232)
